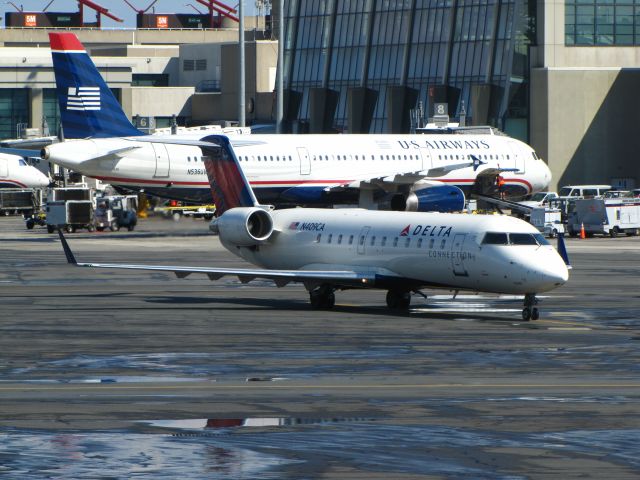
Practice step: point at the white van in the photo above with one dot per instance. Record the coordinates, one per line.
(583, 191)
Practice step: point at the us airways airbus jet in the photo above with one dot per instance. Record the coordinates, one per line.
(401, 252)
(16, 173)
(412, 172)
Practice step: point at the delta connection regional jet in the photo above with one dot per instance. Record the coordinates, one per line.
(401, 172)
(401, 252)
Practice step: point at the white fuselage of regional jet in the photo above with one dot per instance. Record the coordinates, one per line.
(421, 248)
(310, 168)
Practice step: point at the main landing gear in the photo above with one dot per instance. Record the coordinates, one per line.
(322, 297)
(398, 299)
(530, 312)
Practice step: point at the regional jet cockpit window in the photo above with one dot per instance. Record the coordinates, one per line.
(495, 238)
(499, 238)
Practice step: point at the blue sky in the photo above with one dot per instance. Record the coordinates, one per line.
(120, 9)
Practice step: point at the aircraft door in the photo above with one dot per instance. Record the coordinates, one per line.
(457, 255)
(362, 239)
(518, 156)
(162, 160)
(426, 158)
(4, 168)
(305, 161)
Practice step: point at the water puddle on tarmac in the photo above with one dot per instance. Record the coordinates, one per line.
(222, 449)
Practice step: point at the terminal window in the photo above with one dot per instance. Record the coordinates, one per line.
(602, 22)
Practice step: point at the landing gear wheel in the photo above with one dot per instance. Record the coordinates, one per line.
(322, 298)
(530, 312)
(398, 299)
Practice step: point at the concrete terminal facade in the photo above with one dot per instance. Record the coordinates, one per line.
(585, 107)
(153, 73)
(560, 75)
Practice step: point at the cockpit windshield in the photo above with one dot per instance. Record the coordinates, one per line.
(501, 238)
(22, 163)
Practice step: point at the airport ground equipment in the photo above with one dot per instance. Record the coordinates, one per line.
(69, 193)
(605, 216)
(14, 201)
(116, 212)
(70, 215)
(548, 221)
(175, 210)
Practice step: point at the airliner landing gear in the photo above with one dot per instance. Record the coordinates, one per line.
(322, 297)
(530, 312)
(398, 299)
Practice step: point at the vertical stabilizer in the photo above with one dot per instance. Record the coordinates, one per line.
(562, 250)
(229, 186)
(88, 108)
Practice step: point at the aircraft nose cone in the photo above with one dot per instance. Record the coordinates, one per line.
(554, 274)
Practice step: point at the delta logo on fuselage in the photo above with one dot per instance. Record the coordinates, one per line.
(445, 144)
(427, 231)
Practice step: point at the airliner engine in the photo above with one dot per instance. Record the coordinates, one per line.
(243, 226)
(437, 198)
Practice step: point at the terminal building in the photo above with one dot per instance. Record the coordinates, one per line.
(560, 75)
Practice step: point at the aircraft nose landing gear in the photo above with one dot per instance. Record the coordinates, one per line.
(530, 312)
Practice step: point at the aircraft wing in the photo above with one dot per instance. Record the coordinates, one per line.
(408, 178)
(245, 275)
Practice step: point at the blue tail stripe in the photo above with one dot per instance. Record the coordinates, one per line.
(75, 70)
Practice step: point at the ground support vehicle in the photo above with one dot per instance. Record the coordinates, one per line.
(176, 210)
(116, 212)
(548, 221)
(70, 215)
(610, 216)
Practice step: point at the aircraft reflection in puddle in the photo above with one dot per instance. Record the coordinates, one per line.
(216, 423)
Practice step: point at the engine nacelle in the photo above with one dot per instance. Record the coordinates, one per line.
(244, 226)
(439, 198)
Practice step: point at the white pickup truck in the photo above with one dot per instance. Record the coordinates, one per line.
(540, 199)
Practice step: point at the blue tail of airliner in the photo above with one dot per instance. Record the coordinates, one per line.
(229, 186)
(88, 108)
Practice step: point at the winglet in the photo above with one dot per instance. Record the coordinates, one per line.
(229, 186)
(562, 250)
(67, 250)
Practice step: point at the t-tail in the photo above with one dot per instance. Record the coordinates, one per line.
(88, 108)
(229, 186)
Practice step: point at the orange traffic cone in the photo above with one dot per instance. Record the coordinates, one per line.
(583, 235)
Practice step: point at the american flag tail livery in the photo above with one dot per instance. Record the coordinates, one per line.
(88, 108)
(229, 187)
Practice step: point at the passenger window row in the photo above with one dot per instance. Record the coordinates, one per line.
(382, 242)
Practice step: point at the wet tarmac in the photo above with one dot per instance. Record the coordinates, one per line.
(112, 374)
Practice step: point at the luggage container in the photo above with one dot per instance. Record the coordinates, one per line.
(70, 215)
(15, 201)
(609, 216)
